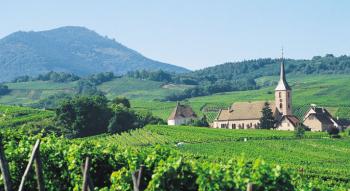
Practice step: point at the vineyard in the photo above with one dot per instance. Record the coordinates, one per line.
(188, 158)
(216, 165)
(11, 116)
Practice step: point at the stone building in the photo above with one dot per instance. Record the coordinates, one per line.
(319, 119)
(181, 115)
(246, 115)
(288, 123)
(242, 115)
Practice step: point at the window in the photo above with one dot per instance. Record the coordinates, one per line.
(279, 94)
(280, 105)
(288, 94)
(288, 106)
(233, 126)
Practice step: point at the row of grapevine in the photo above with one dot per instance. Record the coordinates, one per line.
(166, 168)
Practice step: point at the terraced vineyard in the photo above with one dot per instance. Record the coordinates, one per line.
(11, 116)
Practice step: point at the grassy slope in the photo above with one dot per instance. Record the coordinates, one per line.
(332, 91)
(29, 92)
(138, 89)
(12, 116)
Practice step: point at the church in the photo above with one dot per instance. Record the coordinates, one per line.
(246, 115)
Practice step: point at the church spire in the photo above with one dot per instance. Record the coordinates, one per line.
(282, 84)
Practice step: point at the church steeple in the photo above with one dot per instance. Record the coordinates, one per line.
(282, 84)
(283, 93)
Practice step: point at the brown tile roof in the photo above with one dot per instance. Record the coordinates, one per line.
(244, 110)
(182, 111)
(293, 119)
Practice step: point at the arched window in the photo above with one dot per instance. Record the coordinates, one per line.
(280, 105)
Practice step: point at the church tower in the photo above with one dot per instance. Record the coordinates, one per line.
(283, 93)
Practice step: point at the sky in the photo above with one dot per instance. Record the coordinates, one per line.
(196, 33)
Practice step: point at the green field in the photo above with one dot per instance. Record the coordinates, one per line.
(26, 93)
(330, 91)
(13, 116)
(315, 158)
(139, 89)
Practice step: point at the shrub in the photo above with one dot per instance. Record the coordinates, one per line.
(333, 132)
(299, 131)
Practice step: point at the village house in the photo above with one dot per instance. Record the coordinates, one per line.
(181, 115)
(288, 122)
(246, 115)
(319, 119)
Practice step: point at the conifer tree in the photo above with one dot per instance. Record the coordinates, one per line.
(267, 121)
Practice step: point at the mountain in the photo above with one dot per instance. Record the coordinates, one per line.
(70, 49)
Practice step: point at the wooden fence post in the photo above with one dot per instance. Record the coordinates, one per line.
(5, 168)
(250, 187)
(30, 163)
(39, 170)
(137, 178)
(86, 176)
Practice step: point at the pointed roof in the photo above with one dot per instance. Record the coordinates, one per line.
(321, 114)
(182, 111)
(282, 84)
(291, 118)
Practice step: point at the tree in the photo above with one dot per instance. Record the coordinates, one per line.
(202, 122)
(122, 120)
(121, 100)
(83, 116)
(145, 118)
(299, 131)
(267, 121)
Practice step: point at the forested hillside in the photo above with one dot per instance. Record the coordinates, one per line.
(235, 76)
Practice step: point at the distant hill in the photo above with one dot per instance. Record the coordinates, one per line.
(252, 69)
(70, 49)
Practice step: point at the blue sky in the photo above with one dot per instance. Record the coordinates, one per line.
(196, 33)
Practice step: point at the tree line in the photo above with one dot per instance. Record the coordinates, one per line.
(84, 116)
(231, 76)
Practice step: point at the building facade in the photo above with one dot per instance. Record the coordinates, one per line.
(319, 119)
(181, 115)
(246, 115)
